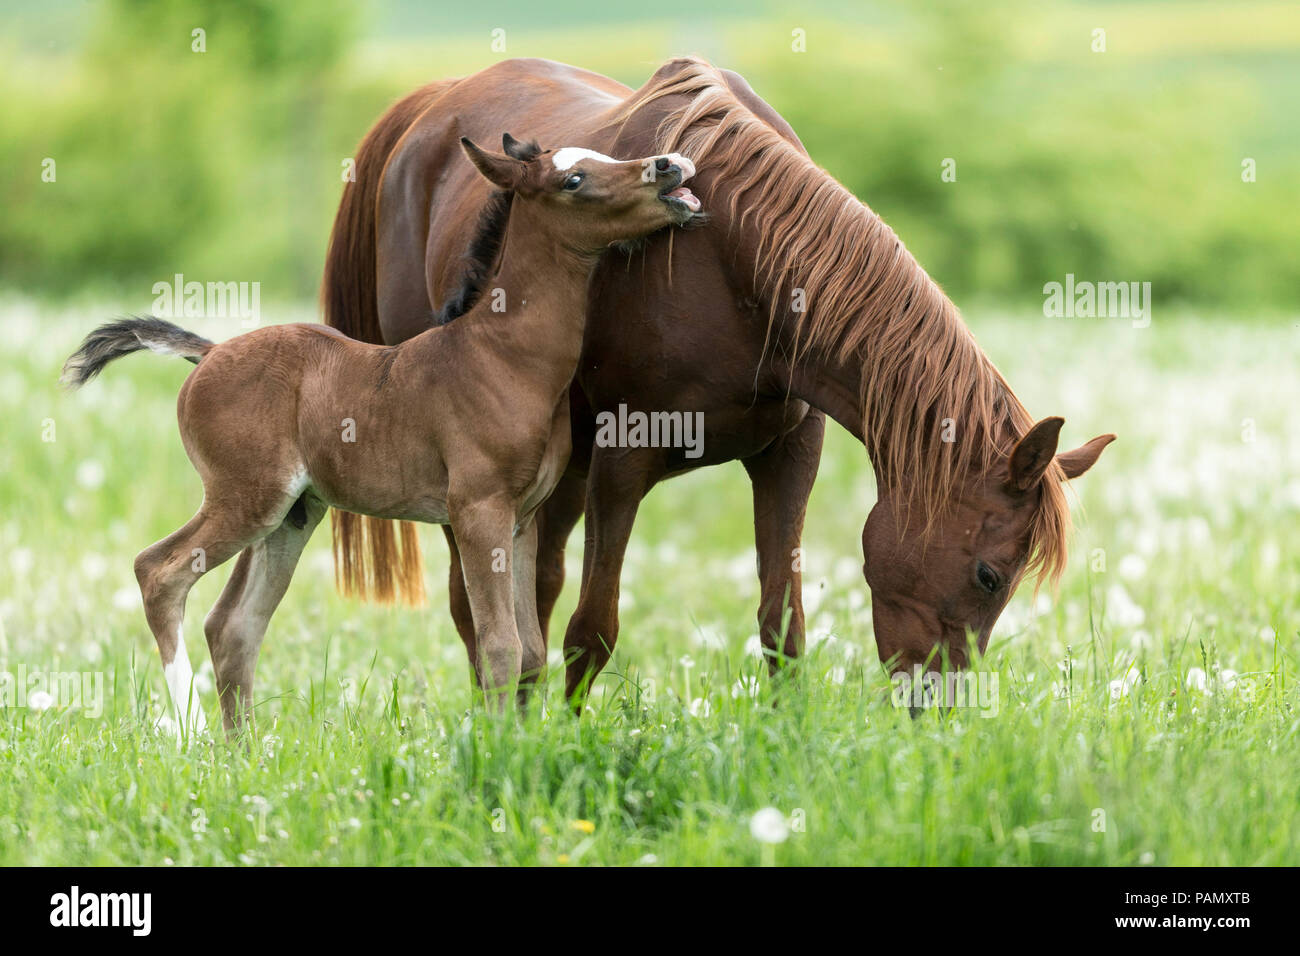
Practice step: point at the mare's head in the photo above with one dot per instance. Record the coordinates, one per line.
(589, 199)
(931, 583)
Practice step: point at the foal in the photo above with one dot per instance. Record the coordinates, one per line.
(466, 424)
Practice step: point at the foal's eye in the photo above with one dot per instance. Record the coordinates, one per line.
(573, 182)
(988, 578)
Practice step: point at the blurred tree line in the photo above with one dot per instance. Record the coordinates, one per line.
(1004, 152)
(215, 153)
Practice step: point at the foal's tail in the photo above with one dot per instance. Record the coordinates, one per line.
(374, 559)
(115, 339)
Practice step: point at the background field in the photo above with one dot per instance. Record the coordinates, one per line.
(1148, 710)
(226, 165)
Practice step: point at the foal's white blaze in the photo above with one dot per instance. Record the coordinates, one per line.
(180, 684)
(564, 158)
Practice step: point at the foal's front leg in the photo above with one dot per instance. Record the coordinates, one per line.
(484, 531)
(527, 622)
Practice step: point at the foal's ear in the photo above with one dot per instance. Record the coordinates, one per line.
(1033, 454)
(1076, 461)
(519, 150)
(502, 171)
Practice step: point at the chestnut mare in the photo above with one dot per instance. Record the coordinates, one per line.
(466, 424)
(796, 301)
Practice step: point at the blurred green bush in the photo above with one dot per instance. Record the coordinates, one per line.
(1122, 166)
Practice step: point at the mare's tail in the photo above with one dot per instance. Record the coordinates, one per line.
(374, 559)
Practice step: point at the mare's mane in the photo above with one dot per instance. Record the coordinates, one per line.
(866, 301)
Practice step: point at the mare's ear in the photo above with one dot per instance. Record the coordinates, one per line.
(1078, 460)
(501, 171)
(1033, 454)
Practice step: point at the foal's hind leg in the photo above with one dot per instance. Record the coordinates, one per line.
(237, 622)
(166, 571)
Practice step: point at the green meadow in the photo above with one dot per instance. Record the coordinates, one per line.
(1144, 714)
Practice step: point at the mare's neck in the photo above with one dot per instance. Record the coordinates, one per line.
(830, 384)
(851, 324)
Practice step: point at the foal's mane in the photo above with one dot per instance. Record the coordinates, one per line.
(480, 257)
(484, 249)
(867, 301)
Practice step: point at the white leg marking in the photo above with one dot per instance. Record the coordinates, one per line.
(180, 684)
(298, 482)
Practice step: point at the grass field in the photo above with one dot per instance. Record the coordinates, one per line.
(1147, 713)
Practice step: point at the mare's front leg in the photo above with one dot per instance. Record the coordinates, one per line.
(618, 480)
(782, 476)
(484, 533)
(237, 623)
(555, 522)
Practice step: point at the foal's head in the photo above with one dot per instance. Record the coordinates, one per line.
(587, 199)
(928, 591)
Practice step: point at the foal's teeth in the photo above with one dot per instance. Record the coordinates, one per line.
(685, 195)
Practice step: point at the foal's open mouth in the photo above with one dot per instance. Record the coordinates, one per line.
(682, 198)
(677, 195)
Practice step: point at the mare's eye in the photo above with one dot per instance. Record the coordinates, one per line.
(988, 578)
(573, 182)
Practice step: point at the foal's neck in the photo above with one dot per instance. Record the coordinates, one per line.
(536, 304)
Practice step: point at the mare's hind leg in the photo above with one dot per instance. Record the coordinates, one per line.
(532, 665)
(237, 623)
(782, 477)
(166, 571)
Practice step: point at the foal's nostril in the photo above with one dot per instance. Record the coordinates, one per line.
(662, 164)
